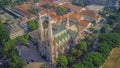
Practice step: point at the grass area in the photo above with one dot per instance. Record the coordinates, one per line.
(113, 60)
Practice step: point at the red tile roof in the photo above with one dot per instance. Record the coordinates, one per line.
(83, 23)
(75, 7)
(90, 14)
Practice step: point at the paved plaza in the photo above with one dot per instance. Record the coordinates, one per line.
(29, 53)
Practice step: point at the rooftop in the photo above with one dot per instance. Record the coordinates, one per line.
(75, 7)
(58, 29)
(95, 8)
(72, 33)
(34, 34)
(90, 13)
(83, 23)
(14, 28)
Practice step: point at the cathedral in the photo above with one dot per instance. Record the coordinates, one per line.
(57, 38)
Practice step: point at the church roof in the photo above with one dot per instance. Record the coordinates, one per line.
(58, 29)
(72, 33)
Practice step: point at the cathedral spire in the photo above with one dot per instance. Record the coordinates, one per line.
(50, 41)
(67, 23)
(50, 33)
(41, 35)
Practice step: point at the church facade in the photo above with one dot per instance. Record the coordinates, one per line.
(58, 37)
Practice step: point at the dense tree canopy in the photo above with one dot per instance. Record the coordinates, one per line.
(11, 54)
(105, 28)
(4, 34)
(36, 1)
(94, 59)
(113, 18)
(32, 25)
(61, 11)
(23, 39)
(10, 2)
(82, 46)
(104, 49)
(107, 41)
(110, 38)
(79, 3)
(79, 65)
(62, 62)
(116, 29)
(33, 10)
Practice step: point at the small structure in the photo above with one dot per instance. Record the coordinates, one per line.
(34, 35)
(15, 31)
(90, 15)
(96, 8)
(75, 8)
(85, 23)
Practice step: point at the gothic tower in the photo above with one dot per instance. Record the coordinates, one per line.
(47, 47)
(41, 46)
(50, 33)
(67, 22)
(41, 30)
(51, 47)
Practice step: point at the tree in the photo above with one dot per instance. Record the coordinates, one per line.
(26, 36)
(92, 29)
(4, 3)
(62, 62)
(10, 53)
(76, 66)
(23, 39)
(79, 53)
(94, 22)
(116, 29)
(8, 45)
(110, 38)
(104, 49)
(94, 60)
(4, 34)
(61, 11)
(113, 18)
(33, 10)
(76, 53)
(82, 46)
(71, 59)
(36, 1)
(79, 3)
(105, 28)
(32, 25)
(73, 51)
